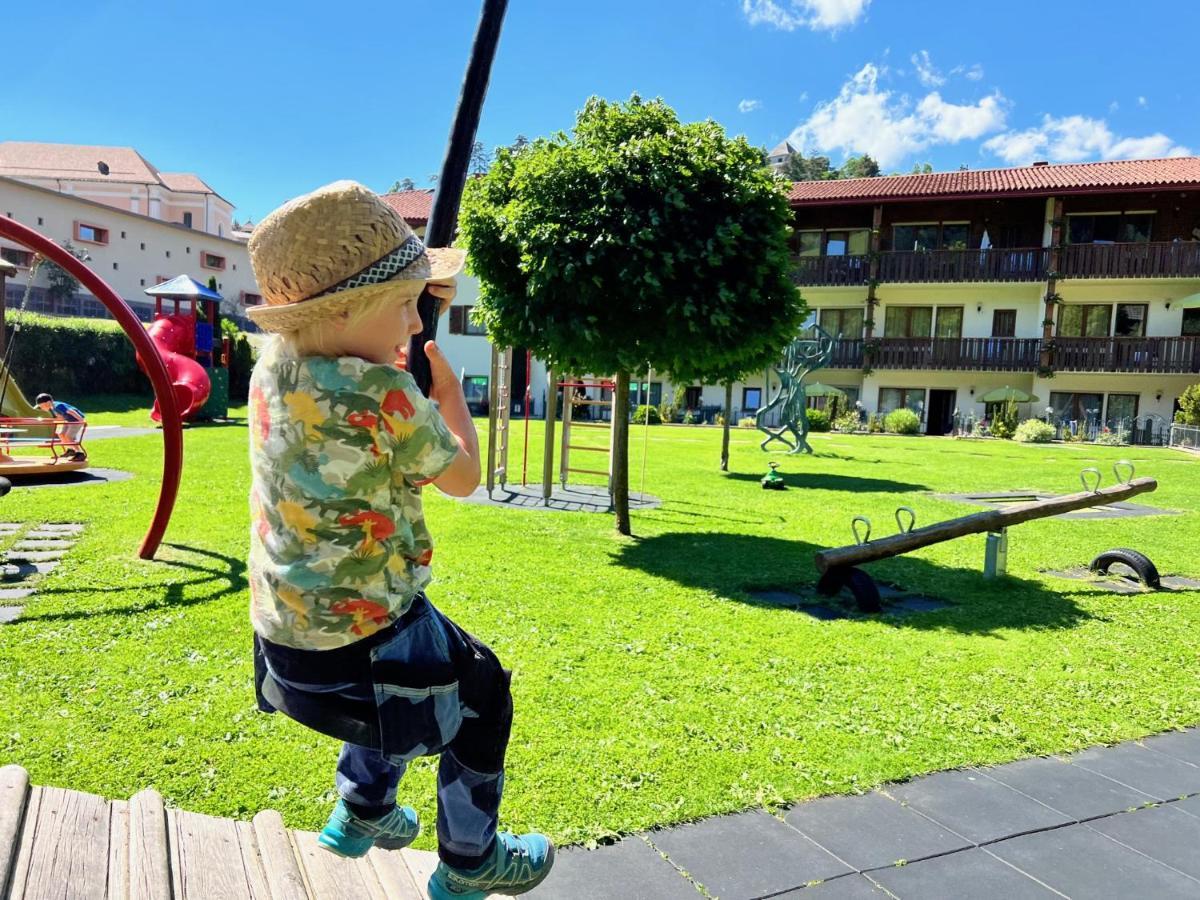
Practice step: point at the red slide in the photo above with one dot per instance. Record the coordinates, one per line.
(175, 337)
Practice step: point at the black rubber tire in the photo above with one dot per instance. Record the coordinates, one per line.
(1145, 570)
(865, 591)
(5, 486)
(831, 583)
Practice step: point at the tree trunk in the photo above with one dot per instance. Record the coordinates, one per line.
(725, 430)
(620, 453)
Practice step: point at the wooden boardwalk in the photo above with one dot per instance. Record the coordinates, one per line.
(68, 845)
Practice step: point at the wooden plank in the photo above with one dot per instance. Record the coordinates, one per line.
(992, 520)
(285, 880)
(252, 862)
(20, 869)
(208, 858)
(335, 877)
(421, 864)
(14, 795)
(395, 879)
(69, 853)
(118, 850)
(149, 859)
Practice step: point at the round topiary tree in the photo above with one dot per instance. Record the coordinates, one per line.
(635, 241)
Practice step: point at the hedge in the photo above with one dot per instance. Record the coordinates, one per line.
(79, 357)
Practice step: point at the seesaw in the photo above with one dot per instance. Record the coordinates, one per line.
(838, 566)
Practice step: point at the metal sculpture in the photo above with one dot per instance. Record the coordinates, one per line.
(802, 357)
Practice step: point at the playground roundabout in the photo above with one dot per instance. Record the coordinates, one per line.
(568, 498)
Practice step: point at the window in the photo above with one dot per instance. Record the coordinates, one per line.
(931, 236)
(810, 243)
(168, 254)
(949, 322)
(954, 235)
(143, 245)
(1004, 323)
(249, 299)
(93, 234)
(1084, 320)
(1122, 410)
(122, 235)
(1076, 407)
(643, 392)
(1109, 227)
(1191, 323)
(142, 282)
(187, 220)
(751, 398)
(212, 261)
(40, 222)
(475, 391)
(842, 243)
(23, 258)
(907, 321)
(1131, 319)
(901, 398)
(460, 321)
(115, 265)
(847, 322)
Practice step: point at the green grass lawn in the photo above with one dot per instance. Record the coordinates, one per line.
(649, 688)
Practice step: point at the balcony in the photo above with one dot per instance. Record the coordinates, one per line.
(1133, 354)
(958, 354)
(1164, 259)
(830, 270)
(922, 266)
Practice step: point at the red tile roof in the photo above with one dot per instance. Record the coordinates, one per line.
(413, 206)
(185, 182)
(1145, 174)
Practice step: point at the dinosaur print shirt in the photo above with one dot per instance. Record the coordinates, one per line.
(339, 451)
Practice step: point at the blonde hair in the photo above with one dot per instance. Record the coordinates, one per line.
(318, 338)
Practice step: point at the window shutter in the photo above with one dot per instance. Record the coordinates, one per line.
(457, 319)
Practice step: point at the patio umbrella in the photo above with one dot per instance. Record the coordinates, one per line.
(1191, 301)
(816, 389)
(1004, 394)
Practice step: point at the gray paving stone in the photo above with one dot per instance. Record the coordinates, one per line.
(1081, 862)
(825, 613)
(747, 855)
(1163, 833)
(34, 556)
(10, 613)
(871, 830)
(629, 869)
(1078, 792)
(19, 571)
(1156, 774)
(847, 887)
(969, 875)
(1183, 745)
(1191, 806)
(916, 605)
(15, 593)
(43, 544)
(61, 528)
(979, 808)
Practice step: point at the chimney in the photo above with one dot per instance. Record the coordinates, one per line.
(1041, 162)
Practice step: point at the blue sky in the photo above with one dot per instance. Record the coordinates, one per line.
(269, 100)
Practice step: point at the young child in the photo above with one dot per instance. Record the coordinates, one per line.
(342, 441)
(70, 432)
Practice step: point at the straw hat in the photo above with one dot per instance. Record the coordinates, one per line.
(318, 255)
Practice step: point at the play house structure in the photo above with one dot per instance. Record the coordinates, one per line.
(188, 339)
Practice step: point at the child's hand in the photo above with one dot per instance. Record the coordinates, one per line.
(445, 387)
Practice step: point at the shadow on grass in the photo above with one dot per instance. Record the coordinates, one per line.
(227, 574)
(824, 481)
(733, 565)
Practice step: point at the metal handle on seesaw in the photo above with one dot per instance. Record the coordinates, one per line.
(1083, 477)
(1120, 465)
(854, 528)
(912, 519)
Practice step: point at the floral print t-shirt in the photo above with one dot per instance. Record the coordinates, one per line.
(339, 450)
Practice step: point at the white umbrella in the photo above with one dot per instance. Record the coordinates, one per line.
(1191, 301)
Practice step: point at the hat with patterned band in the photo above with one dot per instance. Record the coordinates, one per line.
(320, 254)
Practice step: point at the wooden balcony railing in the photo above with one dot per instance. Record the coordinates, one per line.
(847, 354)
(993, 354)
(1166, 259)
(830, 270)
(1121, 354)
(994, 264)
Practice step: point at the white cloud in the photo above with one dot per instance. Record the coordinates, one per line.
(746, 106)
(927, 73)
(865, 118)
(1114, 106)
(819, 15)
(1077, 138)
(1142, 101)
(973, 73)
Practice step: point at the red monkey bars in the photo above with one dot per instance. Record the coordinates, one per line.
(172, 424)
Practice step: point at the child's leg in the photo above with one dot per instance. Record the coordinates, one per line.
(367, 781)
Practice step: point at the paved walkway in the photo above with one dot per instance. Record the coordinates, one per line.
(1117, 822)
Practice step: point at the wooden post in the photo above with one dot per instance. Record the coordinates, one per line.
(725, 430)
(873, 272)
(995, 520)
(620, 454)
(548, 451)
(1046, 360)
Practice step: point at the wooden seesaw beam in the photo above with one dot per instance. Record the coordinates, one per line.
(991, 521)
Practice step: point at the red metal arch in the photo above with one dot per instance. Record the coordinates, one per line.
(172, 423)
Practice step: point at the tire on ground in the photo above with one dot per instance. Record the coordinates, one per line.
(1141, 565)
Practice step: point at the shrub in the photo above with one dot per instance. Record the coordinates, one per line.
(847, 422)
(73, 357)
(1189, 406)
(747, 422)
(647, 412)
(1034, 431)
(720, 419)
(688, 418)
(875, 423)
(1004, 423)
(902, 421)
(1111, 438)
(818, 420)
